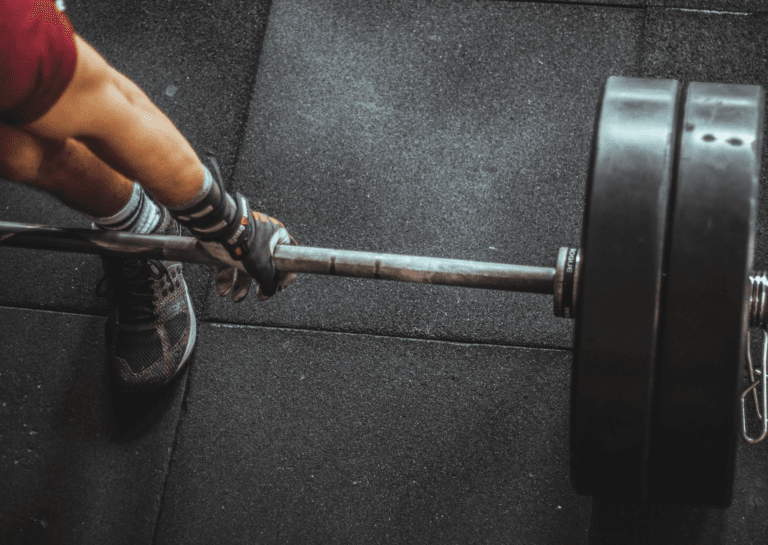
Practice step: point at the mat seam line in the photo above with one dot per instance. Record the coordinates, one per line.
(235, 325)
(587, 4)
(171, 455)
(317, 330)
(253, 73)
(240, 133)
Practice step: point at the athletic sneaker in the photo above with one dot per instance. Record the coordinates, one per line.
(151, 326)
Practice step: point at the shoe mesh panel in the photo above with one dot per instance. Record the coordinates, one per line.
(140, 349)
(146, 356)
(176, 327)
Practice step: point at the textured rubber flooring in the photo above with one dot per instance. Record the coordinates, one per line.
(79, 463)
(448, 129)
(345, 411)
(313, 437)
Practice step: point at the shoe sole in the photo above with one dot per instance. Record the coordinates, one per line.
(192, 332)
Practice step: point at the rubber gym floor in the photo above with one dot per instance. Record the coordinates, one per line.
(354, 411)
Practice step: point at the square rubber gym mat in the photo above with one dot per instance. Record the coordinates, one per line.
(315, 437)
(79, 463)
(452, 129)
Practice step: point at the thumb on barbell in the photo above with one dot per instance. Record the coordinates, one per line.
(281, 236)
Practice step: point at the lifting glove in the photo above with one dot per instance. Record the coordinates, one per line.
(243, 240)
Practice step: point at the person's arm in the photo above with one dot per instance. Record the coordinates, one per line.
(118, 122)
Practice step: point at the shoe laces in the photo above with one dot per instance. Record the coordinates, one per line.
(128, 284)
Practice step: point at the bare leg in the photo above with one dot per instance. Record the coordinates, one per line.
(67, 169)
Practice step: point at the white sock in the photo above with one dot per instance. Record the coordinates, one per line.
(140, 215)
(201, 194)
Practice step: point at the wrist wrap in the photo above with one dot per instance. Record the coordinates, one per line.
(217, 217)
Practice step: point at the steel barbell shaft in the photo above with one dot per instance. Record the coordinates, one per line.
(423, 270)
(420, 270)
(304, 259)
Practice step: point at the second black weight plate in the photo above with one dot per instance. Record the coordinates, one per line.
(618, 296)
(701, 354)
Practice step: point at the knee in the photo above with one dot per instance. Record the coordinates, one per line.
(21, 154)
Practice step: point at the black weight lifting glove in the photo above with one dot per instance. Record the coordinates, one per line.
(241, 239)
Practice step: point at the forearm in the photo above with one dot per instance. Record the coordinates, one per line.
(118, 122)
(138, 140)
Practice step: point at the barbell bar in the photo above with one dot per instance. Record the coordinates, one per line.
(663, 292)
(560, 281)
(299, 259)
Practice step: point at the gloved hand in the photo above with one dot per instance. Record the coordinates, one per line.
(233, 277)
(243, 240)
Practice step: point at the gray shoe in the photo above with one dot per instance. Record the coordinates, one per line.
(151, 325)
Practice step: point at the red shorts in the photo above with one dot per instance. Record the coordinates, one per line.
(37, 58)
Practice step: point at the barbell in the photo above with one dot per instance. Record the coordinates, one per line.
(662, 289)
